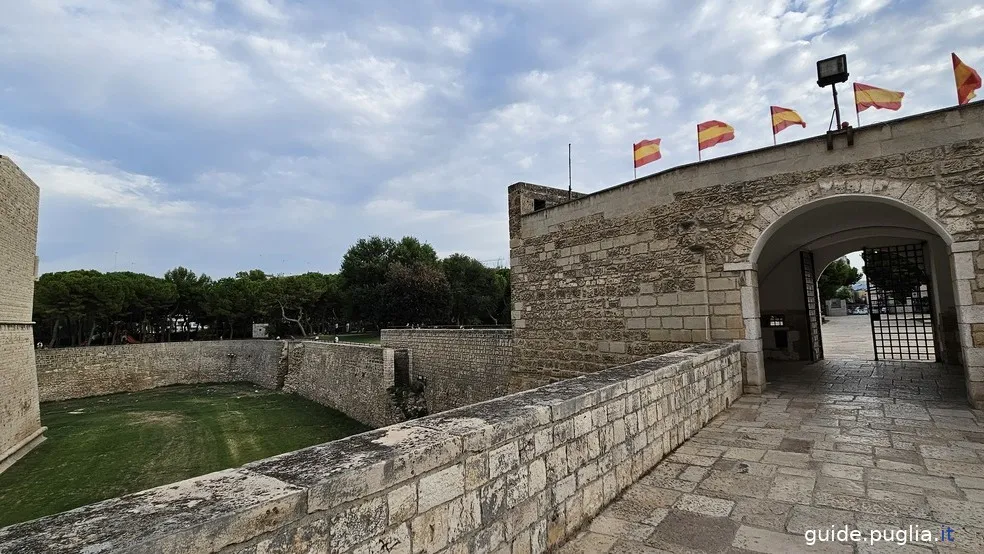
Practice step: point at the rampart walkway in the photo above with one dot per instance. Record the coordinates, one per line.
(874, 446)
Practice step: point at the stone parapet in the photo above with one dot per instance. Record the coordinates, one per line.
(66, 373)
(523, 472)
(460, 366)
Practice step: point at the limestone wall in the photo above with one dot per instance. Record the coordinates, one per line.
(351, 378)
(65, 373)
(20, 419)
(521, 472)
(624, 273)
(461, 366)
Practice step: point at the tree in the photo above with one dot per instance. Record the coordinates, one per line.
(411, 252)
(472, 287)
(894, 273)
(363, 273)
(416, 294)
(836, 275)
(296, 297)
(192, 293)
(501, 310)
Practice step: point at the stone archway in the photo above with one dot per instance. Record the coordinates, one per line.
(936, 209)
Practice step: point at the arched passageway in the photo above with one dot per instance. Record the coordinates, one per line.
(913, 326)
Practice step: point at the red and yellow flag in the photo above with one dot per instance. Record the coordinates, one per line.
(867, 96)
(646, 151)
(712, 132)
(968, 80)
(784, 117)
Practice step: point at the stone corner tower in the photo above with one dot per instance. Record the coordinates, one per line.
(20, 417)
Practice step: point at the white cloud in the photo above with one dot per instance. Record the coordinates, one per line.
(252, 134)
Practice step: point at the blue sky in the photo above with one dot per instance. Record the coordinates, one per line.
(228, 135)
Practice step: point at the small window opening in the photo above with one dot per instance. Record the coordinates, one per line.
(539, 204)
(774, 321)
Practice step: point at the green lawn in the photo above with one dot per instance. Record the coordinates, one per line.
(107, 446)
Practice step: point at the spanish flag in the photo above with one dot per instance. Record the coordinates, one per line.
(712, 132)
(968, 80)
(784, 117)
(646, 151)
(867, 96)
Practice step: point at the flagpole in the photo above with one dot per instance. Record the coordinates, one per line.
(698, 142)
(856, 111)
(570, 181)
(773, 124)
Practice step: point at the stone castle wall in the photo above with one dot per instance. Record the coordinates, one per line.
(66, 373)
(624, 273)
(460, 366)
(351, 378)
(519, 473)
(20, 419)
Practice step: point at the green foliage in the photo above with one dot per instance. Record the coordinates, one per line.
(381, 282)
(835, 276)
(417, 294)
(845, 293)
(894, 273)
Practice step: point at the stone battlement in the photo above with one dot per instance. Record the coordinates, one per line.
(525, 470)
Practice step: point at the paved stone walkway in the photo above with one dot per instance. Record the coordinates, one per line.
(848, 336)
(872, 446)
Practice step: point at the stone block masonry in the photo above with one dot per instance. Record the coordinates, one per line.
(352, 378)
(65, 373)
(519, 473)
(20, 416)
(670, 259)
(461, 366)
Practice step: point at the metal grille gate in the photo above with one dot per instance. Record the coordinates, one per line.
(812, 305)
(900, 303)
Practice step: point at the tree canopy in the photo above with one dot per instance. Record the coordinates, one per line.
(381, 282)
(837, 275)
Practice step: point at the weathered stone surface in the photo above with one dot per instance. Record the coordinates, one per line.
(203, 514)
(20, 429)
(818, 495)
(623, 273)
(460, 366)
(65, 373)
(351, 378)
(494, 475)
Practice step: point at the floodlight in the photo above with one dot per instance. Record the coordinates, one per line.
(832, 70)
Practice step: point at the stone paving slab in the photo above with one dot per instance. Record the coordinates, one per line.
(806, 457)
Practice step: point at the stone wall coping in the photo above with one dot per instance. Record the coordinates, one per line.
(397, 330)
(177, 343)
(206, 513)
(339, 344)
(202, 514)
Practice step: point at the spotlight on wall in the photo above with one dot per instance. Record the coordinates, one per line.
(830, 72)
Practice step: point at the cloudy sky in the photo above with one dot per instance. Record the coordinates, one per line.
(226, 135)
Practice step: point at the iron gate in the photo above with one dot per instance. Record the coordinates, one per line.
(812, 305)
(900, 303)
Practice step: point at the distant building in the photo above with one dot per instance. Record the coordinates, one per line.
(836, 307)
(260, 330)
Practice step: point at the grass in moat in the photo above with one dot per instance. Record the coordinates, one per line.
(107, 446)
